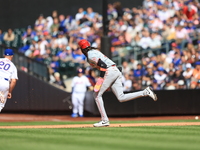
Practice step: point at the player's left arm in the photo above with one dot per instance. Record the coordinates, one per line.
(100, 80)
(13, 82)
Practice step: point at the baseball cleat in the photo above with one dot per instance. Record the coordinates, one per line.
(149, 92)
(74, 115)
(101, 124)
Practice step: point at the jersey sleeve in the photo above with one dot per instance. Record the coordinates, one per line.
(87, 82)
(73, 82)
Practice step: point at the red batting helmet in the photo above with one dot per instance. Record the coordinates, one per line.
(83, 44)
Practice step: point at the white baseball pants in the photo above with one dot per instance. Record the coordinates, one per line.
(4, 87)
(78, 102)
(113, 79)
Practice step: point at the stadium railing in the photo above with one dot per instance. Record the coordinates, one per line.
(31, 66)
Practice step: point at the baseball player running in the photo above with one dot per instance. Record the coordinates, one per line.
(110, 76)
(8, 77)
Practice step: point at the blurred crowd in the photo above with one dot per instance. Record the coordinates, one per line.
(53, 40)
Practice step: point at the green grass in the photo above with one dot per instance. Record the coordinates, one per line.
(119, 138)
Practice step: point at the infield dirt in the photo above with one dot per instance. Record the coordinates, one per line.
(31, 117)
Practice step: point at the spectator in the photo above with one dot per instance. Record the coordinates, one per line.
(61, 40)
(49, 23)
(119, 9)
(58, 81)
(127, 83)
(149, 77)
(79, 14)
(177, 59)
(9, 37)
(169, 85)
(27, 37)
(43, 45)
(189, 10)
(187, 74)
(155, 43)
(160, 77)
(1, 36)
(54, 14)
(125, 68)
(55, 63)
(66, 54)
(145, 41)
(133, 62)
(111, 11)
(166, 32)
(177, 76)
(90, 14)
(70, 23)
(92, 76)
(181, 85)
(39, 23)
(198, 85)
(62, 26)
(33, 46)
(55, 26)
(195, 75)
(139, 72)
(155, 85)
(79, 57)
(181, 34)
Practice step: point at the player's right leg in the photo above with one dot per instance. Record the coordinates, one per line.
(75, 106)
(148, 91)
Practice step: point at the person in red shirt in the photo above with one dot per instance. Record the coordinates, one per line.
(188, 11)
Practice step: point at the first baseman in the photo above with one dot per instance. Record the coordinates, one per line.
(8, 77)
(110, 76)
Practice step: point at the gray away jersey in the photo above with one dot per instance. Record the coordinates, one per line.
(95, 55)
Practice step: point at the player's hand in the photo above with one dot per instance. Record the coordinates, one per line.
(98, 84)
(9, 96)
(91, 88)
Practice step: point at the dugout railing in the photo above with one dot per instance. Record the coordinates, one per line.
(128, 51)
(28, 65)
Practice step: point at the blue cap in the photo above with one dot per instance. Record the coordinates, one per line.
(154, 81)
(161, 69)
(8, 52)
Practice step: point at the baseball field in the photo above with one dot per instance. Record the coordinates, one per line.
(52, 132)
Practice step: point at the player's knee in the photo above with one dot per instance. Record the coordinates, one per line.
(121, 98)
(96, 98)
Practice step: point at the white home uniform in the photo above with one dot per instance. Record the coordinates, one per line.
(113, 79)
(79, 86)
(8, 71)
